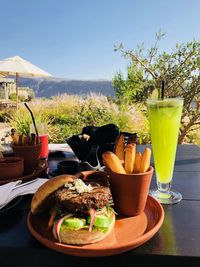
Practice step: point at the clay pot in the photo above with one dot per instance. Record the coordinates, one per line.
(30, 154)
(11, 167)
(130, 191)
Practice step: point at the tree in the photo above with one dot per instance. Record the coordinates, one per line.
(134, 88)
(180, 70)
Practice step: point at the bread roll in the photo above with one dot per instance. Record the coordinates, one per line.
(83, 236)
(41, 199)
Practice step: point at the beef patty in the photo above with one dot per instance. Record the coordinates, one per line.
(74, 201)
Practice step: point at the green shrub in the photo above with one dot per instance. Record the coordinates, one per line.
(66, 115)
(13, 97)
(5, 115)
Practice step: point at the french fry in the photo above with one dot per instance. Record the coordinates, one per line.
(24, 139)
(145, 161)
(137, 162)
(122, 161)
(28, 140)
(119, 147)
(130, 152)
(85, 137)
(33, 139)
(37, 140)
(113, 162)
(15, 137)
(20, 140)
(12, 131)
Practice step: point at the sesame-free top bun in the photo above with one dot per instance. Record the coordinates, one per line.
(83, 236)
(39, 203)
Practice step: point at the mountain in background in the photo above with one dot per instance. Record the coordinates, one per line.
(47, 87)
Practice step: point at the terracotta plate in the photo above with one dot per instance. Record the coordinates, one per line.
(129, 233)
(42, 166)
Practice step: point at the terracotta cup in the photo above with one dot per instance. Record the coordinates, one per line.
(130, 191)
(30, 154)
(11, 167)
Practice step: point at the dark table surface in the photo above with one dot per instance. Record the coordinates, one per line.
(177, 241)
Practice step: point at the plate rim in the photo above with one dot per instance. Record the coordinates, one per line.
(107, 250)
(27, 177)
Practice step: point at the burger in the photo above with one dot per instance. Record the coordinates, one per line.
(79, 211)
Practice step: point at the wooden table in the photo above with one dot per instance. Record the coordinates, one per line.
(177, 241)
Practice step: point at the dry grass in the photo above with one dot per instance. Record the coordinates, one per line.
(68, 114)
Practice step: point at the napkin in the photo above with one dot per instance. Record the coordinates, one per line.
(59, 147)
(11, 190)
(5, 191)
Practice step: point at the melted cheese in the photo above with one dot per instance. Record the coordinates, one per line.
(79, 186)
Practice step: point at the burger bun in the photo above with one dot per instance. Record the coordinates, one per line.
(83, 236)
(41, 200)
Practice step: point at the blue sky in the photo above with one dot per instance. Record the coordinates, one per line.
(74, 39)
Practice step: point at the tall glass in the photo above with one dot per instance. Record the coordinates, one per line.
(164, 118)
(43, 136)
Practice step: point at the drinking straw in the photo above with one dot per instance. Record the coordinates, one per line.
(163, 90)
(32, 118)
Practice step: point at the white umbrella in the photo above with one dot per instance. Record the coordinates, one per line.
(20, 67)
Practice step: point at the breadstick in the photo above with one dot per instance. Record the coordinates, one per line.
(130, 152)
(145, 161)
(33, 139)
(137, 162)
(15, 138)
(113, 162)
(119, 147)
(20, 140)
(24, 139)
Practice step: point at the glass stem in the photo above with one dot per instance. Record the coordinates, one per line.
(164, 188)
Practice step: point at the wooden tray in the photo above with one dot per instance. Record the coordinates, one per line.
(42, 166)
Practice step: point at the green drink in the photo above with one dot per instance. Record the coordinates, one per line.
(164, 118)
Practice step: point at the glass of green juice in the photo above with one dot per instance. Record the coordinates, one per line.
(164, 118)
